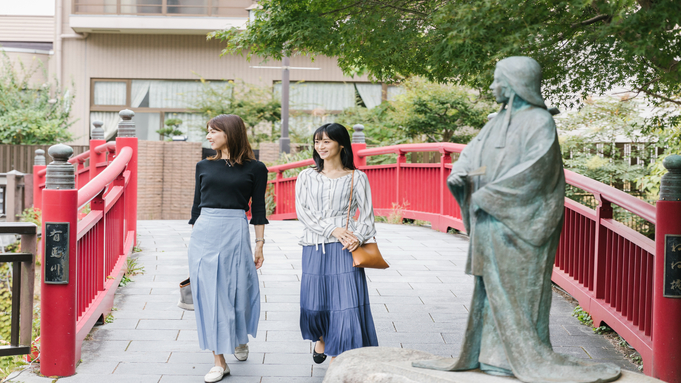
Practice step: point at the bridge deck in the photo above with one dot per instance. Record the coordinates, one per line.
(420, 303)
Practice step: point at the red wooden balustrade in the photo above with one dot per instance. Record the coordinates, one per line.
(100, 244)
(604, 264)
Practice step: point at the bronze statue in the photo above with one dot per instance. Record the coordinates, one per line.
(510, 184)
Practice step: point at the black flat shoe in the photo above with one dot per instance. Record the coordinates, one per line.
(318, 358)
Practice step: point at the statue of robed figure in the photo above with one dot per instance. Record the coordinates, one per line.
(510, 185)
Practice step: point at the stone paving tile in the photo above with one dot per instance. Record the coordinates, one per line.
(420, 302)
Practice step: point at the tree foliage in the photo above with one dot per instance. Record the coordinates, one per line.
(440, 112)
(589, 142)
(584, 47)
(31, 114)
(592, 142)
(424, 112)
(254, 104)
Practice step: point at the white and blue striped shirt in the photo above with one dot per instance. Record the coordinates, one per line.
(322, 206)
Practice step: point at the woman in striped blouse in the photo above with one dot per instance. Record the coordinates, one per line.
(334, 300)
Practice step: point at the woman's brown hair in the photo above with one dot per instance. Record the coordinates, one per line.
(237, 138)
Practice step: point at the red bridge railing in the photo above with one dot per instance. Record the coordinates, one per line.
(98, 243)
(605, 265)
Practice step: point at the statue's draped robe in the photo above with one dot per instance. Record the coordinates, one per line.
(514, 214)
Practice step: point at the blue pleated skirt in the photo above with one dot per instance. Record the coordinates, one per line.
(334, 300)
(224, 280)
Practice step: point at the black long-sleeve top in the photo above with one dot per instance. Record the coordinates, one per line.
(221, 186)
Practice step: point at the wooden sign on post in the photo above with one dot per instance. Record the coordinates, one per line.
(672, 266)
(56, 237)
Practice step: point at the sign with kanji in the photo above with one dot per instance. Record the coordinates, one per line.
(672, 266)
(56, 262)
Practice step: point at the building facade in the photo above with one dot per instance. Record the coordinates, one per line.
(148, 56)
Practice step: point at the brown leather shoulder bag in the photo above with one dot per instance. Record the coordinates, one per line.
(367, 255)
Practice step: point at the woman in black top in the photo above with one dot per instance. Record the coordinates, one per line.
(222, 271)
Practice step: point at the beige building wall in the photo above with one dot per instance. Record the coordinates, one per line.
(126, 56)
(27, 28)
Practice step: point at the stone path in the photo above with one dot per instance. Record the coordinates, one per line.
(420, 302)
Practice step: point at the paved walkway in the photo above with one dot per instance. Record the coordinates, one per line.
(420, 302)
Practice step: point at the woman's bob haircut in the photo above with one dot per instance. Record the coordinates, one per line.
(335, 132)
(237, 146)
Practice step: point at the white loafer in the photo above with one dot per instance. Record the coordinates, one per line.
(241, 352)
(216, 374)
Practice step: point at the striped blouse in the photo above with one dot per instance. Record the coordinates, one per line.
(322, 206)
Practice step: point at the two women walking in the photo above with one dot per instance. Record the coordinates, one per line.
(334, 299)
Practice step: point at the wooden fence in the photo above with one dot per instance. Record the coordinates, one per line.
(20, 157)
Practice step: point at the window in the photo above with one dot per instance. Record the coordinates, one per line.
(153, 101)
(2, 200)
(110, 93)
(160, 7)
(316, 103)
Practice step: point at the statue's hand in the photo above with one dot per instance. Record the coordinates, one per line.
(456, 180)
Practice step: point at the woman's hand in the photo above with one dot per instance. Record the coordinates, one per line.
(347, 238)
(259, 258)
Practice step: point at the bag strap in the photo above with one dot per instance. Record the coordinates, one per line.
(352, 184)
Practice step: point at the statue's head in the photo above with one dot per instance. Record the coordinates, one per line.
(518, 75)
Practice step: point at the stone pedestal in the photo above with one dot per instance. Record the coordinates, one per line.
(393, 365)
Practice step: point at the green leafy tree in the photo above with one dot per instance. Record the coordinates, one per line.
(379, 129)
(668, 140)
(439, 112)
(254, 104)
(589, 142)
(584, 47)
(31, 114)
(172, 128)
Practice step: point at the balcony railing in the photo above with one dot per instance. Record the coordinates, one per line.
(220, 8)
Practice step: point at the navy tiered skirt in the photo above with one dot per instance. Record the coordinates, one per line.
(334, 300)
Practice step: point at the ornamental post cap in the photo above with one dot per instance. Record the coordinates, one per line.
(670, 184)
(97, 131)
(358, 137)
(672, 163)
(60, 174)
(126, 114)
(60, 152)
(39, 157)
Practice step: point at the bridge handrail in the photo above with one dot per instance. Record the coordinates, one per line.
(442, 147)
(598, 189)
(109, 146)
(96, 185)
(81, 158)
(292, 165)
(618, 197)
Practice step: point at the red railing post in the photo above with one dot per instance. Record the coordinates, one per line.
(127, 137)
(278, 208)
(401, 159)
(358, 143)
(58, 295)
(603, 211)
(445, 158)
(97, 204)
(38, 167)
(667, 276)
